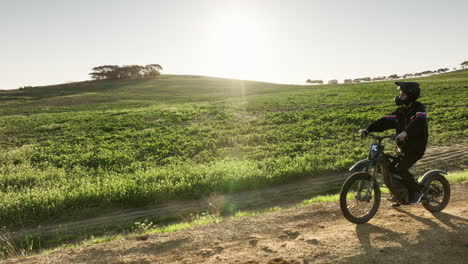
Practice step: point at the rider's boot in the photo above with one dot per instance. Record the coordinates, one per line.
(394, 199)
(416, 197)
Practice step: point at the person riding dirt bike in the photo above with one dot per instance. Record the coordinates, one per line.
(410, 122)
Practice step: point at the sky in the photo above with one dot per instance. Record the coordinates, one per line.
(49, 42)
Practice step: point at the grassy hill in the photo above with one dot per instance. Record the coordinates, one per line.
(75, 149)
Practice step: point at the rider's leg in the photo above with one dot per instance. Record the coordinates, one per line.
(402, 169)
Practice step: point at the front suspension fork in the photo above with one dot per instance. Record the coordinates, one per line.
(370, 187)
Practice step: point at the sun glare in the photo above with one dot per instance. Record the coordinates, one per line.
(236, 46)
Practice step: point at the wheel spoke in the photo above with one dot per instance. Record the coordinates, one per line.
(358, 205)
(436, 189)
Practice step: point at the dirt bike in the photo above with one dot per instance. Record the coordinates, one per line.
(360, 193)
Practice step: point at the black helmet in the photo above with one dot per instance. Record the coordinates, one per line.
(411, 89)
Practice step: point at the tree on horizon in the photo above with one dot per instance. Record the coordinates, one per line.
(393, 77)
(464, 64)
(126, 72)
(309, 81)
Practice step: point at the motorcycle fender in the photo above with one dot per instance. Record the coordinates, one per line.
(360, 165)
(428, 175)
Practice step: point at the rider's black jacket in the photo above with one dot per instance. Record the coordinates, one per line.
(411, 119)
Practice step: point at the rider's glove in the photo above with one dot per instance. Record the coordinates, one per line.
(401, 136)
(363, 132)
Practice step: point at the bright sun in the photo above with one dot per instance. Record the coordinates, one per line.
(236, 46)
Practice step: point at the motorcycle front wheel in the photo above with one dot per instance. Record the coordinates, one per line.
(358, 202)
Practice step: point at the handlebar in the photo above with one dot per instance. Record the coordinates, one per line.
(380, 138)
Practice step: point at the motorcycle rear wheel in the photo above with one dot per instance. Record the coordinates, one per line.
(437, 193)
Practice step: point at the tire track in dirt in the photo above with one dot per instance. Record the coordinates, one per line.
(448, 158)
(445, 152)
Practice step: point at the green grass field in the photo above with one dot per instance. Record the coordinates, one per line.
(77, 149)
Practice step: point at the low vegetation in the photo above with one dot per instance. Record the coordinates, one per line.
(73, 150)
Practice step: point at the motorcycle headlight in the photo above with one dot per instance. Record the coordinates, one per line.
(374, 150)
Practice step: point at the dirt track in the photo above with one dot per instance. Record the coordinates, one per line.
(310, 234)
